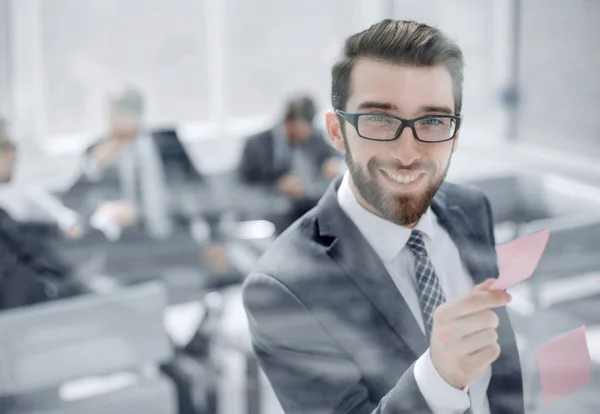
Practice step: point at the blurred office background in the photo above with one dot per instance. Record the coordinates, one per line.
(162, 327)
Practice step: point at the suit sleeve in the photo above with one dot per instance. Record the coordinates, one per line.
(309, 372)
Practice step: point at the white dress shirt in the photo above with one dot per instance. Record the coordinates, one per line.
(389, 240)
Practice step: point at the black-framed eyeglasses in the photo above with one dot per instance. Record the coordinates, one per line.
(384, 127)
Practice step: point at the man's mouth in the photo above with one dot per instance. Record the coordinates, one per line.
(404, 178)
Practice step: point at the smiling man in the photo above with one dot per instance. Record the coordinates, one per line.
(376, 301)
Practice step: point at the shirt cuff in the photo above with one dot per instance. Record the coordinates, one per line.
(111, 229)
(439, 395)
(67, 220)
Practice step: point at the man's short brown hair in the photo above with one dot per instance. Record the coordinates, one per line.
(403, 42)
(301, 108)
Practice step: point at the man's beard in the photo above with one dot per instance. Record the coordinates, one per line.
(398, 208)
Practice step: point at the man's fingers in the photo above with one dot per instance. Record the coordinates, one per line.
(474, 302)
(478, 341)
(465, 326)
(484, 285)
(483, 357)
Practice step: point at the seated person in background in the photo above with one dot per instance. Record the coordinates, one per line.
(130, 177)
(292, 156)
(18, 198)
(123, 180)
(30, 270)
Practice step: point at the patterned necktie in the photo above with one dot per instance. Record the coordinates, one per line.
(430, 291)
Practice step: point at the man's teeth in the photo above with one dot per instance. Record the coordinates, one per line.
(404, 179)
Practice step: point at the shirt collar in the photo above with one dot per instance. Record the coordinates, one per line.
(385, 237)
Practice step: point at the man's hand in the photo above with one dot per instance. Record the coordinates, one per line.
(216, 257)
(291, 186)
(464, 337)
(74, 232)
(331, 168)
(69, 223)
(107, 152)
(121, 212)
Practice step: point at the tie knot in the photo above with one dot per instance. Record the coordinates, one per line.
(416, 244)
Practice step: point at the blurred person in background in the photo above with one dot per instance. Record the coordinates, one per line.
(20, 198)
(123, 179)
(31, 271)
(378, 300)
(292, 157)
(135, 177)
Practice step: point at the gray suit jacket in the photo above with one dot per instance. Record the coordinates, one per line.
(333, 333)
(259, 164)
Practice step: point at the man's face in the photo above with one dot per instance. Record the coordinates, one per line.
(7, 161)
(398, 179)
(298, 131)
(124, 125)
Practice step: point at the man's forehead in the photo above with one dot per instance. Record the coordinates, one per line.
(401, 86)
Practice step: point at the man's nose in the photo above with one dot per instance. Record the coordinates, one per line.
(405, 148)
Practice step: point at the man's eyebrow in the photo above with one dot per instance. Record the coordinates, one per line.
(435, 108)
(377, 105)
(387, 106)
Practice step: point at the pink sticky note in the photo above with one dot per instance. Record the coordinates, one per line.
(564, 365)
(518, 259)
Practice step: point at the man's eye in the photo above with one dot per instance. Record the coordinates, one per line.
(434, 121)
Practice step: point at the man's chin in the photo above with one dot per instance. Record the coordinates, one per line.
(406, 209)
(407, 214)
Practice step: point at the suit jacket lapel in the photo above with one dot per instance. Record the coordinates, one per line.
(476, 253)
(360, 262)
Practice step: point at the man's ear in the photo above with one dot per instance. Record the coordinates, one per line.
(334, 130)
